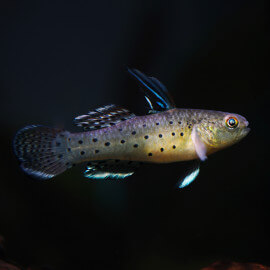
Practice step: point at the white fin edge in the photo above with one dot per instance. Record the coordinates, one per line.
(38, 174)
(189, 178)
(106, 175)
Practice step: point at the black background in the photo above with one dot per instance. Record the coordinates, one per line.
(60, 59)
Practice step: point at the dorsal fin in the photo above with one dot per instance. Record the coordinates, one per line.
(114, 169)
(103, 117)
(156, 94)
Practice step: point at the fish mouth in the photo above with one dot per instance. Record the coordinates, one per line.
(246, 123)
(246, 130)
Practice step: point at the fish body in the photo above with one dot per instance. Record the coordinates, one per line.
(157, 138)
(115, 140)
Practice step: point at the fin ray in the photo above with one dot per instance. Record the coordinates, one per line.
(41, 151)
(103, 117)
(156, 93)
(114, 169)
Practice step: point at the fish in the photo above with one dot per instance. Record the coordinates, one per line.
(115, 142)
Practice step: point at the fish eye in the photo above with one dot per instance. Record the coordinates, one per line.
(232, 122)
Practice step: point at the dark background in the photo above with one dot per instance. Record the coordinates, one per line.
(60, 59)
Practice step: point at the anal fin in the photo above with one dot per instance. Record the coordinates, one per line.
(110, 169)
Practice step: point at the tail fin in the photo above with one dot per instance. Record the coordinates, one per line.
(42, 151)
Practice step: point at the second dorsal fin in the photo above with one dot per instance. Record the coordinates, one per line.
(103, 117)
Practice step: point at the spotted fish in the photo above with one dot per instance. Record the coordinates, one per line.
(115, 141)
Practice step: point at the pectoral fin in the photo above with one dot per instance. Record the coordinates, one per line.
(199, 145)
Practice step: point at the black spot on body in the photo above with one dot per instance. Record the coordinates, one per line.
(179, 122)
(96, 151)
(160, 135)
(133, 132)
(174, 147)
(182, 134)
(120, 129)
(80, 141)
(146, 137)
(95, 140)
(171, 122)
(69, 149)
(82, 152)
(150, 154)
(135, 145)
(157, 124)
(161, 149)
(144, 125)
(123, 141)
(107, 143)
(173, 134)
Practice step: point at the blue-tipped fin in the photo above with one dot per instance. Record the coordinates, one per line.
(189, 177)
(110, 169)
(156, 94)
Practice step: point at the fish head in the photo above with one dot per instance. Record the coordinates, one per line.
(220, 129)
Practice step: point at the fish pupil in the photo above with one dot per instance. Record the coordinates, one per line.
(231, 122)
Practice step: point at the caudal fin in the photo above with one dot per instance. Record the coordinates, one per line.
(42, 151)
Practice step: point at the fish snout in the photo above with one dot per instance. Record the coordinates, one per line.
(245, 127)
(243, 121)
